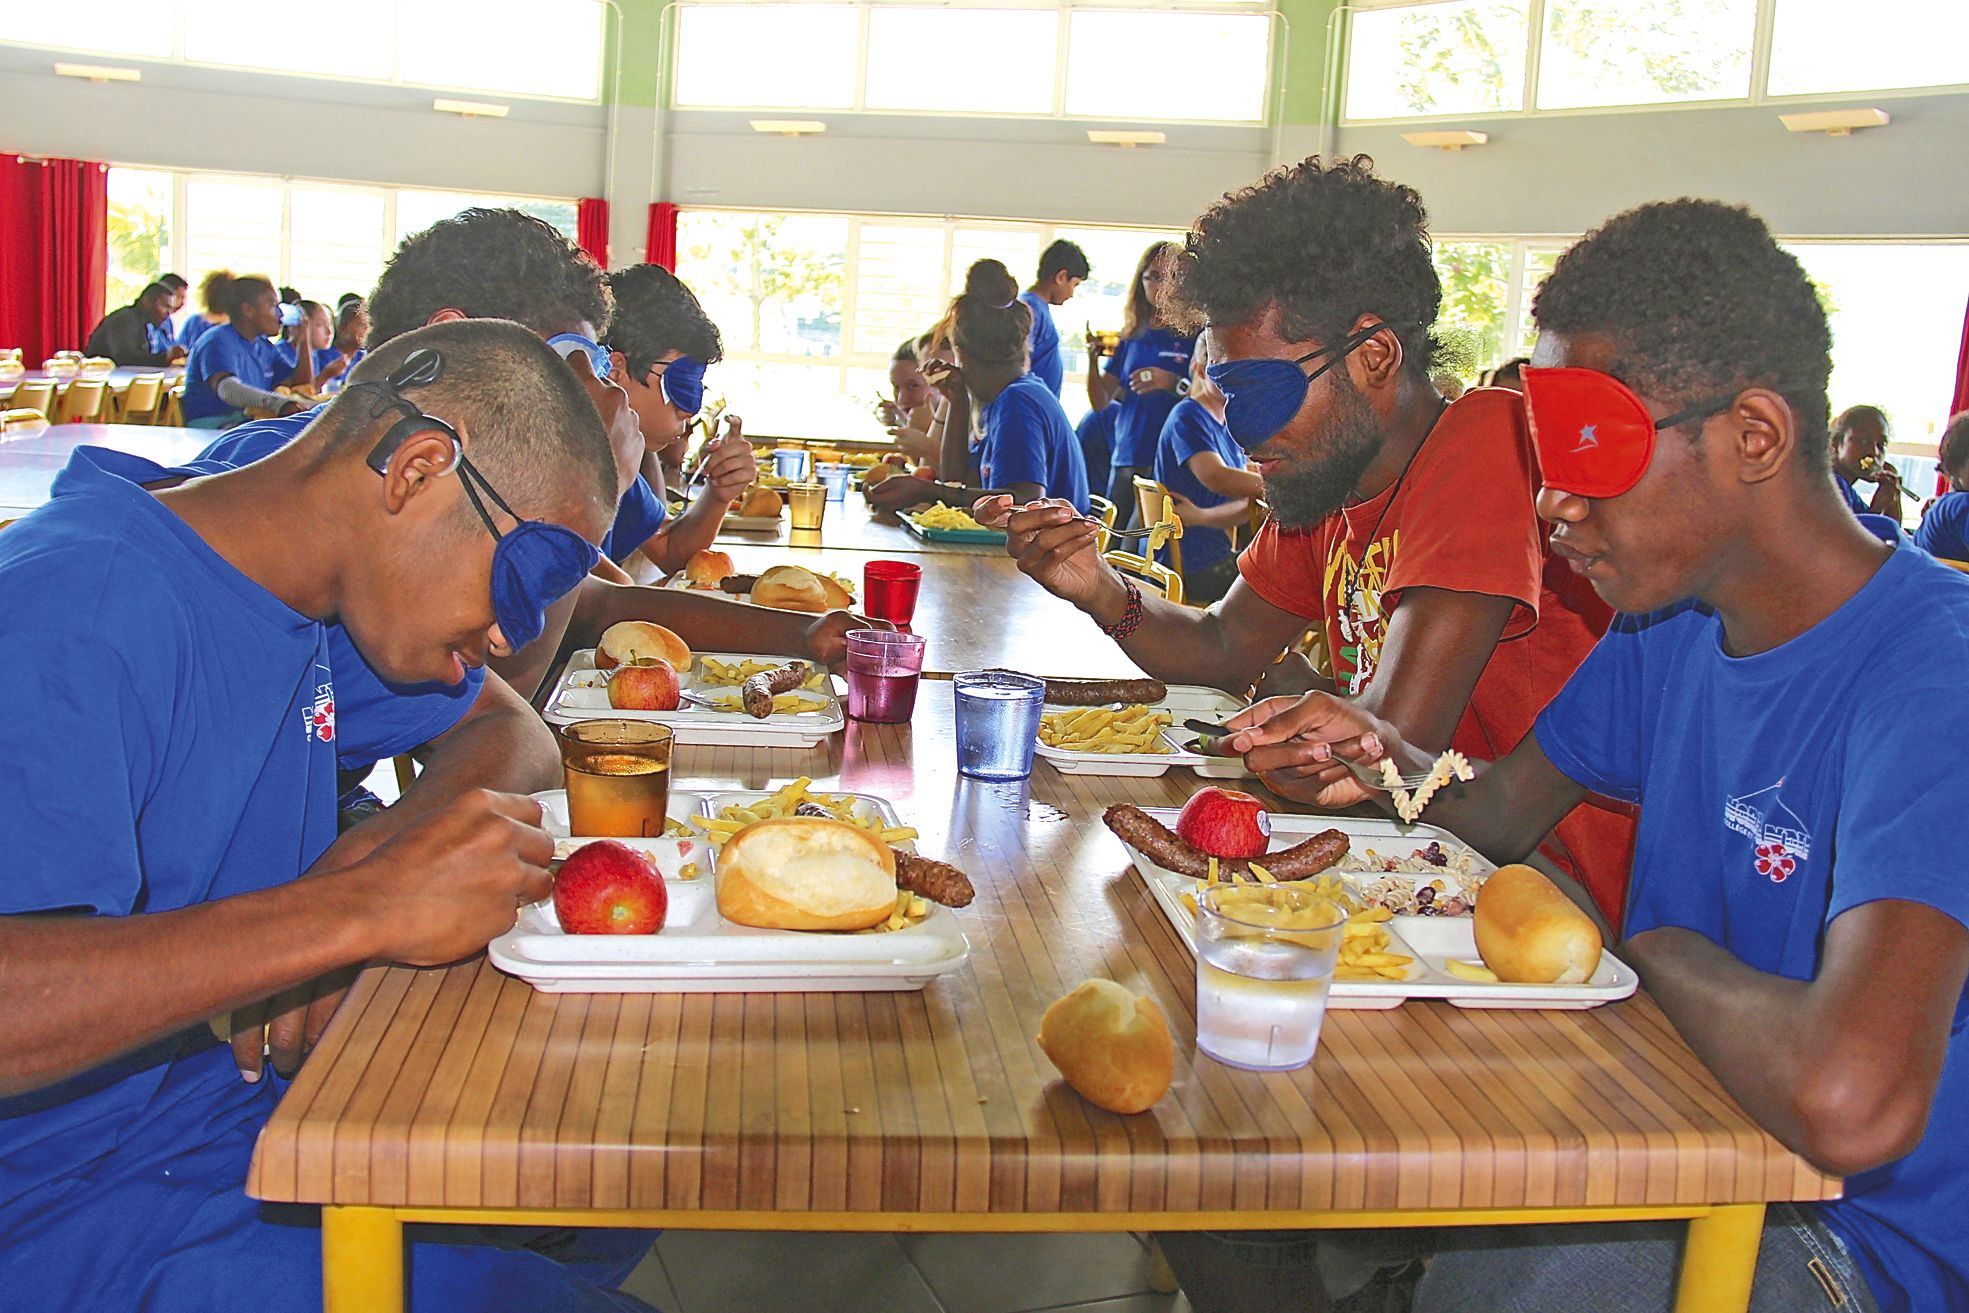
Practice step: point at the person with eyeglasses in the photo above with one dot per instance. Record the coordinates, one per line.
(1402, 526)
(1788, 911)
(169, 711)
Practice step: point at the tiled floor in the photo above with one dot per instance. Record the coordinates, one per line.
(750, 1272)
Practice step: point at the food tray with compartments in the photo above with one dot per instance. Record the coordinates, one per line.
(699, 952)
(1183, 702)
(931, 534)
(582, 694)
(1430, 940)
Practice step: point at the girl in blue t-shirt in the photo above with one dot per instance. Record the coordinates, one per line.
(233, 367)
(1142, 374)
(1202, 466)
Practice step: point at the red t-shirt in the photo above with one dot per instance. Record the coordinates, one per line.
(1460, 519)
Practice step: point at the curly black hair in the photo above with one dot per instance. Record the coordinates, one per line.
(490, 264)
(1699, 300)
(987, 321)
(655, 313)
(1326, 244)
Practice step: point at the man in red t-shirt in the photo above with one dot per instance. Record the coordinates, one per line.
(1402, 526)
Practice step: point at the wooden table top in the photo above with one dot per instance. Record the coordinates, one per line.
(975, 611)
(849, 526)
(462, 1087)
(31, 458)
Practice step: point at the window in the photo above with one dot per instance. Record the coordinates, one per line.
(1009, 60)
(1638, 52)
(139, 224)
(418, 210)
(1167, 66)
(812, 306)
(235, 224)
(1476, 304)
(766, 56)
(335, 241)
(1466, 58)
(1826, 46)
(504, 47)
(895, 57)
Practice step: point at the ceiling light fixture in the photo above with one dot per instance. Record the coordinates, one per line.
(789, 127)
(1125, 140)
(1455, 140)
(98, 73)
(470, 109)
(1835, 122)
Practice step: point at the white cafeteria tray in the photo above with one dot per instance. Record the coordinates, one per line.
(1428, 939)
(698, 952)
(580, 695)
(1184, 701)
(752, 523)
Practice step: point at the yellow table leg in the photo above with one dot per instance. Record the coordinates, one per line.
(1720, 1260)
(361, 1260)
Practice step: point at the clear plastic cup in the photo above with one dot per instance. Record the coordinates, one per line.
(884, 671)
(806, 505)
(997, 723)
(836, 478)
(1264, 962)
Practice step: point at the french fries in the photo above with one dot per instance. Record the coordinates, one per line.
(783, 704)
(786, 802)
(945, 517)
(1135, 728)
(911, 909)
(713, 671)
(1364, 947)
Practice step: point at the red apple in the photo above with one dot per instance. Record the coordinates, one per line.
(609, 888)
(647, 685)
(1225, 823)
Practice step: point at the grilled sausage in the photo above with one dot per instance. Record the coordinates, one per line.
(1166, 848)
(758, 691)
(1100, 692)
(739, 584)
(940, 882)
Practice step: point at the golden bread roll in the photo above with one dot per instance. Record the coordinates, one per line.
(806, 873)
(878, 473)
(792, 588)
(1111, 1045)
(837, 596)
(708, 568)
(762, 502)
(1530, 933)
(640, 640)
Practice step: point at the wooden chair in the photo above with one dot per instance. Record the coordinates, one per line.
(83, 402)
(1153, 573)
(1103, 510)
(142, 400)
(38, 395)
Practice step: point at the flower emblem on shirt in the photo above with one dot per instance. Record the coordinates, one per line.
(319, 717)
(1774, 861)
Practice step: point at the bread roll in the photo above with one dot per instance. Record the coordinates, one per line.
(1530, 933)
(640, 640)
(792, 588)
(806, 873)
(879, 472)
(837, 597)
(1111, 1045)
(708, 569)
(762, 502)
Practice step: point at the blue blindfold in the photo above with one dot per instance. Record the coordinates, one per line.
(535, 563)
(683, 384)
(1261, 396)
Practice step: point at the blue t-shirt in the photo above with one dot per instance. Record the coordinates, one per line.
(194, 327)
(1847, 495)
(284, 359)
(167, 737)
(1944, 530)
(378, 719)
(1189, 431)
(1043, 343)
(1138, 426)
(1776, 794)
(225, 351)
(639, 514)
(1028, 439)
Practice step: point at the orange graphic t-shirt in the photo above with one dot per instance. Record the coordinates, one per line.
(1460, 519)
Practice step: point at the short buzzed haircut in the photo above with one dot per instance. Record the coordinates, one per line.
(172, 281)
(1843, 424)
(655, 313)
(489, 264)
(526, 419)
(1700, 301)
(157, 289)
(1063, 257)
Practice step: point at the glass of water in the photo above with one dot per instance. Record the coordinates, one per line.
(997, 723)
(1264, 961)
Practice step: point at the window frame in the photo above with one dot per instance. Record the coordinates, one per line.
(1267, 112)
(610, 29)
(1528, 107)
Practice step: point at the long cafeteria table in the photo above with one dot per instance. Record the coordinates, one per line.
(31, 458)
(461, 1095)
(851, 526)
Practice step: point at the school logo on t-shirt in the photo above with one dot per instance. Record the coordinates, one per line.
(1352, 589)
(1781, 839)
(319, 717)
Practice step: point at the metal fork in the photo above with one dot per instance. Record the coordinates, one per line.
(1369, 775)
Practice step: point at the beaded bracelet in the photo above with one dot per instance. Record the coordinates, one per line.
(1131, 614)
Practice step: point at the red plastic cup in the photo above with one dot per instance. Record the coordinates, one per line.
(888, 590)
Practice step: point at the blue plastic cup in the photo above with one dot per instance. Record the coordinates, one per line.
(836, 477)
(790, 463)
(997, 723)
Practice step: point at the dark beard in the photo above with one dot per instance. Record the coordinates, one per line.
(1304, 490)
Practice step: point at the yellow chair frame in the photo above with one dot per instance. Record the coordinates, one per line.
(1104, 511)
(142, 400)
(1954, 565)
(83, 401)
(1153, 573)
(1148, 503)
(38, 395)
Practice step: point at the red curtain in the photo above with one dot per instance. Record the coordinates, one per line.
(662, 248)
(591, 228)
(54, 231)
(1961, 401)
